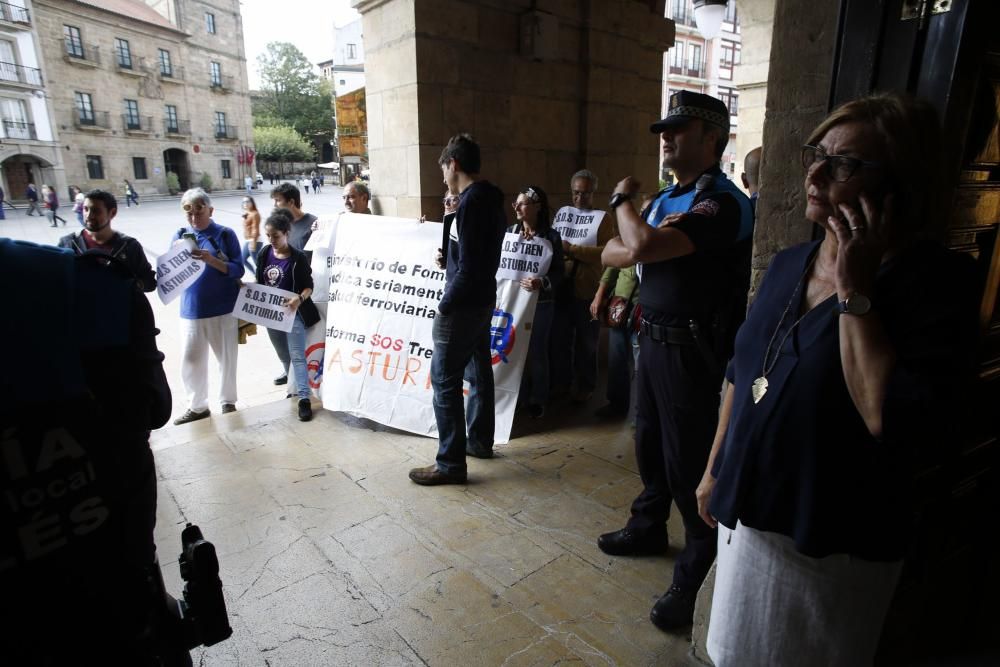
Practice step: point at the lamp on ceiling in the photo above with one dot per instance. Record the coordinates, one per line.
(708, 16)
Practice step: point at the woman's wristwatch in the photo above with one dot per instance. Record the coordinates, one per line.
(856, 304)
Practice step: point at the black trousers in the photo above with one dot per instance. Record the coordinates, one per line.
(677, 414)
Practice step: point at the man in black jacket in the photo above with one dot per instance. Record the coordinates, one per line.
(99, 209)
(462, 325)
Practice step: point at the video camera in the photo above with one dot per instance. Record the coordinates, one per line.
(199, 618)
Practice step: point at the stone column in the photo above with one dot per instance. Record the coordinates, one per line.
(546, 88)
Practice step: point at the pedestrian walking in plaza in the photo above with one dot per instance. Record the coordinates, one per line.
(52, 204)
(248, 184)
(78, 202)
(251, 234)
(2, 197)
(131, 196)
(31, 194)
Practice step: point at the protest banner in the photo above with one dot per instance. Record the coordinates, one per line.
(264, 305)
(576, 226)
(384, 291)
(177, 270)
(521, 258)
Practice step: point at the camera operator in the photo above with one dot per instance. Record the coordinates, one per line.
(82, 388)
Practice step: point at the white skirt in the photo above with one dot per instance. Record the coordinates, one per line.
(773, 606)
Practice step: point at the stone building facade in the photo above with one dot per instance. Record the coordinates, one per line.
(546, 86)
(141, 89)
(29, 147)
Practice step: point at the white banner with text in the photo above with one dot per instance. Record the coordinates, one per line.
(265, 306)
(177, 270)
(383, 294)
(576, 226)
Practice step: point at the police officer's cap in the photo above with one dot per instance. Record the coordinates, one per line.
(685, 105)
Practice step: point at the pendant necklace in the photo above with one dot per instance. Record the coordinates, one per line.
(759, 387)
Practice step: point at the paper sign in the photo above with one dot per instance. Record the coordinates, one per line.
(177, 270)
(578, 227)
(263, 305)
(324, 234)
(383, 294)
(521, 258)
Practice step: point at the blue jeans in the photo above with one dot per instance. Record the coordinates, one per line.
(250, 258)
(537, 364)
(279, 341)
(621, 367)
(462, 349)
(297, 354)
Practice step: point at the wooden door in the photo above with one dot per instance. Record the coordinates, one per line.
(948, 52)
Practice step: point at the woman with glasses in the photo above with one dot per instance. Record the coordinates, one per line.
(850, 360)
(286, 267)
(251, 233)
(531, 208)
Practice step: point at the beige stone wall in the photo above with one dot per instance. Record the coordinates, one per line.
(756, 24)
(195, 99)
(437, 68)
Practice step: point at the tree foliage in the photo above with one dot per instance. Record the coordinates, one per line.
(291, 93)
(280, 143)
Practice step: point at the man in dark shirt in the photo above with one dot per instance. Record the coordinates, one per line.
(690, 247)
(462, 325)
(287, 196)
(99, 209)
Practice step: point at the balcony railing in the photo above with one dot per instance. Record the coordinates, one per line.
(91, 120)
(173, 73)
(177, 126)
(222, 83)
(225, 132)
(14, 14)
(14, 73)
(131, 65)
(692, 68)
(137, 123)
(682, 16)
(14, 129)
(77, 51)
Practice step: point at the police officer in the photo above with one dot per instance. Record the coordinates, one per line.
(693, 243)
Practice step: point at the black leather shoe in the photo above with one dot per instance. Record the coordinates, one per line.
(478, 451)
(625, 542)
(305, 410)
(674, 610)
(227, 408)
(280, 380)
(431, 476)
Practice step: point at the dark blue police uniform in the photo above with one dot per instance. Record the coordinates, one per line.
(686, 332)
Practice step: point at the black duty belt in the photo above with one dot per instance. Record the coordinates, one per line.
(659, 333)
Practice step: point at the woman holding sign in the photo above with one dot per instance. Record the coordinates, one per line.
(532, 211)
(285, 267)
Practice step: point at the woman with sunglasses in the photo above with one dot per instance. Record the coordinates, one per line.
(850, 361)
(286, 267)
(531, 208)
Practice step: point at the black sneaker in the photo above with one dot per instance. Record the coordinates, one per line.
(227, 408)
(674, 610)
(305, 410)
(281, 379)
(192, 416)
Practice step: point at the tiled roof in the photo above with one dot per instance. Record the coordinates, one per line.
(132, 9)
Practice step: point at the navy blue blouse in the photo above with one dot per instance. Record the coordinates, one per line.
(801, 462)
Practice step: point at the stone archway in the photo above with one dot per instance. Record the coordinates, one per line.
(19, 169)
